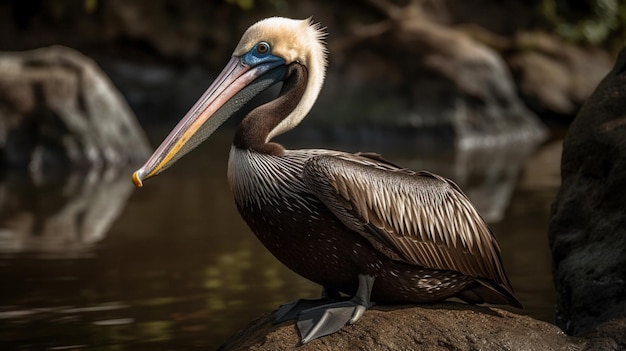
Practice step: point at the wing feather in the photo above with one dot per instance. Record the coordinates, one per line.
(416, 217)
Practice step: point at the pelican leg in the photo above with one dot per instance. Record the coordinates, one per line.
(326, 319)
(292, 309)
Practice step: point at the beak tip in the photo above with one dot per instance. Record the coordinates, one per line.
(137, 179)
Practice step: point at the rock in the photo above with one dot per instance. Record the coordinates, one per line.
(555, 78)
(197, 32)
(610, 335)
(418, 75)
(58, 110)
(588, 228)
(444, 326)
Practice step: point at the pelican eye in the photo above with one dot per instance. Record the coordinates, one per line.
(263, 48)
(260, 53)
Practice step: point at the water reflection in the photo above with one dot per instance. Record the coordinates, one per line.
(178, 269)
(63, 216)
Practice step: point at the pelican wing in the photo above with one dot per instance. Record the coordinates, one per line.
(416, 217)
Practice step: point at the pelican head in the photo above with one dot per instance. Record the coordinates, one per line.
(261, 59)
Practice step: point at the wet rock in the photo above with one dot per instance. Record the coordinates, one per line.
(58, 110)
(588, 227)
(555, 78)
(445, 326)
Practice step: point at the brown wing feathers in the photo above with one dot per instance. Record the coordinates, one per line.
(417, 217)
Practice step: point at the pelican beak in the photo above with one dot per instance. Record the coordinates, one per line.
(235, 86)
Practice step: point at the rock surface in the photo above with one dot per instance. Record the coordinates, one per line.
(445, 326)
(588, 225)
(59, 110)
(555, 78)
(413, 73)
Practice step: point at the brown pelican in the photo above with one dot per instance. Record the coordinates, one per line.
(353, 223)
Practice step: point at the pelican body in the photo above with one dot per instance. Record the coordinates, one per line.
(353, 223)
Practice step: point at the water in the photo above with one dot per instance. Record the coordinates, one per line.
(94, 264)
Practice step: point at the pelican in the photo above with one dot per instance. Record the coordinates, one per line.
(363, 228)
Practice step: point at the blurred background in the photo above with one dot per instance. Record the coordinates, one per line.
(479, 91)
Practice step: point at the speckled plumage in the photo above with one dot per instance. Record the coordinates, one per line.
(279, 198)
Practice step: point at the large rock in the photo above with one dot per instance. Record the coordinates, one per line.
(445, 326)
(555, 78)
(414, 74)
(588, 223)
(58, 110)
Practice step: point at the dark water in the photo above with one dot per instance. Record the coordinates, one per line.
(98, 265)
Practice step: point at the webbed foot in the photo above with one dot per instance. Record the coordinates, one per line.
(293, 309)
(329, 318)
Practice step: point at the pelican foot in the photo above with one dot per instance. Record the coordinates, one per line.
(293, 309)
(326, 319)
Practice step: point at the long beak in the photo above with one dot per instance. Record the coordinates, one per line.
(237, 80)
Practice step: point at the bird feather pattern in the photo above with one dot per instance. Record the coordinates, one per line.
(417, 217)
